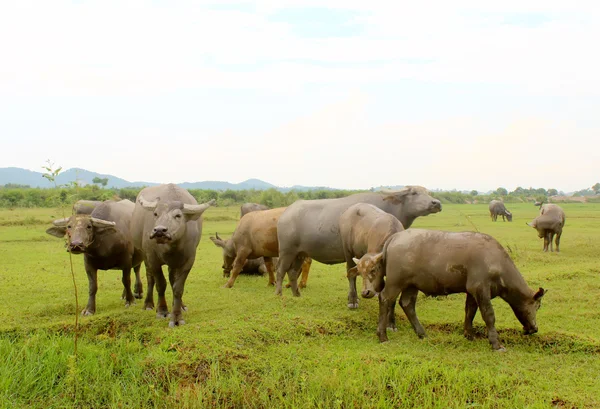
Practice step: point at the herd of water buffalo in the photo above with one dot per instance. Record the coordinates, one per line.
(368, 231)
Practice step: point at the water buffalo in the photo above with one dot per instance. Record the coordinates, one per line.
(440, 263)
(254, 237)
(167, 226)
(251, 207)
(550, 222)
(364, 229)
(104, 238)
(497, 208)
(85, 206)
(310, 228)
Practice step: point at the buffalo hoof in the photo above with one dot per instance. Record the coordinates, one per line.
(129, 304)
(469, 336)
(383, 338)
(392, 328)
(421, 336)
(184, 308)
(87, 312)
(176, 323)
(302, 285)
(501, 349)
(163, 314)
(138, 295)
(353, 305)
(271, 285)
(227, 285)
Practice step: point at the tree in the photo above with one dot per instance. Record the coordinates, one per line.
(596, 188)
(100, 181)
(501, 191)
(552, 192)
(474, 192)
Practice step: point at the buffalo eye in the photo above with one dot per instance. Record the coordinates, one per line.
(178, 216)
(89, 226)
(155, 214)
(69, 226)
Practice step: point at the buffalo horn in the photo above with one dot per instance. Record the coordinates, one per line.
(147, 205)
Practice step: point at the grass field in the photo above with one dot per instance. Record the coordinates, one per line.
(246, 347)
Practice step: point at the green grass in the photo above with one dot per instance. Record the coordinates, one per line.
(246, 347)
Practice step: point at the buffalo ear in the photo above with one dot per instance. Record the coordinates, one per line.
(356, 260)
(540, 293)
(57, 231)
(353, 272)
(377, 257)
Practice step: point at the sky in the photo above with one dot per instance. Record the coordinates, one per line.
(348, 94)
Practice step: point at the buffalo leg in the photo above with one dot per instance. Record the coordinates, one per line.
(177, 279)
(387, 298)
(352, 294)
(238, 266)
(149, 301)
(138, 290)
(391, 323)
(92, 274)
(550, 238)
(408, 300)
(294, 273)
(305, 270)
(283, 266)
(470, 311)
(269, 267)
(162, 310)
(558, 241)
(487, 313)
(546, 237)
(126, 280)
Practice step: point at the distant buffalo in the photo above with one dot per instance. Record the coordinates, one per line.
(550, 222)
(497, 208)
(251, 207)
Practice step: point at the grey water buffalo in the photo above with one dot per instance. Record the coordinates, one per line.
(497, 208)
(104, 238)
(440, 263)
(364, 230)
(85, 206)
(310, 228)
(167, 226)
(550, 222)
(255, 236)
(251, 207)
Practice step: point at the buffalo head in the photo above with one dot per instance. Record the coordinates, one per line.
(228, 253)
(80, 230)
(527, 311)
(416, 201)
(508, 215)
(170, 218)
(369, 267)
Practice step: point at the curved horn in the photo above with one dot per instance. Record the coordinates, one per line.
(61, 222)
(217, 235)
(104, 223)
(147, 205)
(197, 209)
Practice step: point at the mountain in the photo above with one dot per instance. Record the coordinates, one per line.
(84, 177)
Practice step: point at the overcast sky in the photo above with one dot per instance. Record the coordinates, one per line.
(341, 93)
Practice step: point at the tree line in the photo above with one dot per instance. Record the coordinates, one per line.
(12, 195)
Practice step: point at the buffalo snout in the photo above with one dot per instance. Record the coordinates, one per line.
(161, 234)
(436, 204)
(76, 247)
(530, 331)
(367, 294)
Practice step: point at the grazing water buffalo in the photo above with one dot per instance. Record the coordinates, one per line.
(85, 206)
(550, 222)
(364, 229)
(104, 238)
(251, 207)
(440, 263)
(310, 228)
(497, 208)
(167, 226)
(254, 237)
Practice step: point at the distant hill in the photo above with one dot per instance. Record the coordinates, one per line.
(84, 177)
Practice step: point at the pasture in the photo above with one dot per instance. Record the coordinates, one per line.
(246, 347)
